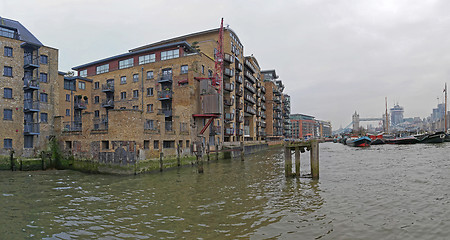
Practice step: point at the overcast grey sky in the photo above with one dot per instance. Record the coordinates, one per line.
(334, 57)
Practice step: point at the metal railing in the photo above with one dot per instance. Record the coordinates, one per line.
(108, 87)
(29, 82)
(165, 94)
(31, 128)
(72, 126)
(30, 105)
(165, 77)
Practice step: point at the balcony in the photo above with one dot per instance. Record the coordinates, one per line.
(30, 105)
(228, 58)
(263, 115)
(250, 109)
(79, 105)
(277, 99)
(164, 95)
(258, 104)
(30, 84)
(229, 116)
(31, 128)
(165, 78)
(249, 76)
(239, 66)
(239, 105)
(258, 95)
(30, 62)
(277, 116)
(228, 87)
(276, 92)
(229, 131)
(249, 98)
(228, 102)
(263, 107)
(165, 112)
(239, 117)
(258, 84)
(168, 126)
(73, 126)
(228, 72)
(286, 115)
(277, 108)
(239, 79)
(100, 124)
(249, 65)
(263, 98)
(239, 92)
(108, 87)
(108, 103)
(215, 130)
(250, 87)
(239, 132)
(263, 89)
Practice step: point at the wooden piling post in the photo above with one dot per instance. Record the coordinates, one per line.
(161, 155)
(297, 161)
(11, 156)
(207, 151)
(199, 156)
(242, 151)
(314, 160)
(217, 152)
(287, 161)
(178, 155)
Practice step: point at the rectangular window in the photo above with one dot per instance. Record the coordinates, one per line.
(123, 95)
(67, 112)
(188, 143)
(44, 59)
(166, 55)
(149, 124)
(184, 69)
(7, 143)
(28, 142)
(135, 93)
(135, 107)
(146, 59)
(146, 144)
(69, 85)
(126, 63)
(7, 71)
(149, 91)
(7, 114)
(43, 97)
(105, 144)
(83, 73)
(156, 144)
(7, 93)
(203, 69)
(96, 99)
(168, 144)
(123, 80)
(6, 32)
(43, 77)
(8, 52)
(96, 85)
(149, 107)
(44, 117)
(150, 75)
(67, 97)
(135, 77)
(96, 113)
(81, 85)
(103, 69)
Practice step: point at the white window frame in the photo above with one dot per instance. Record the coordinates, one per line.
(103, 68)
(126, 63)
(170, 54)
(147, 59)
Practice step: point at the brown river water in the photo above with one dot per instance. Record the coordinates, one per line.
(380, 192)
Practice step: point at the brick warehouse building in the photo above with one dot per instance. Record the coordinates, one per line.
(155, 98)
(28, 88)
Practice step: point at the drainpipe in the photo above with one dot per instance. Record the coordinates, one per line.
(142, 88)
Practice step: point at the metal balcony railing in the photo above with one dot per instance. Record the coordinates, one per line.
(165, 95)
(249, 86)
(227, 57)
(31, 128)
(80, 104)
(228, 87)
(30, 105)
(164, 78)
(229, 131)
(167, 112)
(229, 116)
(30, 84)
(228, 72)
(72, 126)
(263, 89)
(108, 87)
(239, 79)
(250, 65)
(239, 66)
(30, 62)
(108, 103)
(250, 76)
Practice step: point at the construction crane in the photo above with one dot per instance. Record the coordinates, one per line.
(217, 78)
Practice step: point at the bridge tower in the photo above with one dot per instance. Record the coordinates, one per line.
(355, 120)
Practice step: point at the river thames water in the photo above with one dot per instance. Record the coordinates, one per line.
(380, 192)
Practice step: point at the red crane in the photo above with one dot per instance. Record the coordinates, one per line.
(216, 80)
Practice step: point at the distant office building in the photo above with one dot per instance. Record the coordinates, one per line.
(396, 114)
(302, 126)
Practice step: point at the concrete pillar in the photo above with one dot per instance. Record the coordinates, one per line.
(297, 161)
(314, 160)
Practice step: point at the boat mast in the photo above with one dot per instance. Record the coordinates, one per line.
(387, 118)
(445, 111)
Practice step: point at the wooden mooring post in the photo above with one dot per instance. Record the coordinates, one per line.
(242, 151)
(161, 155)
(312, 146)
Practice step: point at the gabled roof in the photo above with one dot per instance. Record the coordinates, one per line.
(22, 33)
